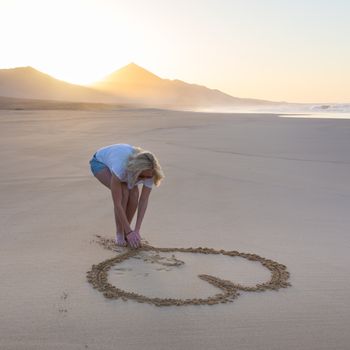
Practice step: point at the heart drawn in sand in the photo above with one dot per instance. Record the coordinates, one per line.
(98, 276)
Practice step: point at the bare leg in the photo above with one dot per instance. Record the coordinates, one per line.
(105, 177)
(129, 204)
(120, 236)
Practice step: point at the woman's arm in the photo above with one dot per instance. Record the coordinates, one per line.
(116, 190)
(142, 206)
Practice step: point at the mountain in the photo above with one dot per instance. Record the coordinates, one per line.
(131, 74)
(131, 86)
(29, 83)
(138, 84)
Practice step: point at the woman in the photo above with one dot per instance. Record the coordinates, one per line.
(121, 167)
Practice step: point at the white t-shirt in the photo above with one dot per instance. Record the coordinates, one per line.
(115, 157)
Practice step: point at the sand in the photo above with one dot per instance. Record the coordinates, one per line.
(275, 188)
(98, 275)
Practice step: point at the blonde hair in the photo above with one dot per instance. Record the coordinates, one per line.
(141, 160)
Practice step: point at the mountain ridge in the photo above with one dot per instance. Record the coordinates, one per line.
(136, 83)
(28, 82)
(131, 84)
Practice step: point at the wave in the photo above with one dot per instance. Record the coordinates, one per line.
(341, 108)
(303, 108)
(285, 107)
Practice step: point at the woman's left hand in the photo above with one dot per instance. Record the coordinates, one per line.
(138, 234)
(134, 239)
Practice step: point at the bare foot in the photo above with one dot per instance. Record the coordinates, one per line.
(120, 239)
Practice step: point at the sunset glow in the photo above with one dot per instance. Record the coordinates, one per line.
(293, 51)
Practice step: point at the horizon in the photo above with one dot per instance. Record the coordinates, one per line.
(292, 52)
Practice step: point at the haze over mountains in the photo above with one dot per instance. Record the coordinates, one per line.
(130, 85)
(29, 83)
(138, 84)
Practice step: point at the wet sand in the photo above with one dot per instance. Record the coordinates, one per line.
(275, 188)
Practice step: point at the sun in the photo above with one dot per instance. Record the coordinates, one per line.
(75, 41)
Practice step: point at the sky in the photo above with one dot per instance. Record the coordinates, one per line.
(279, 50)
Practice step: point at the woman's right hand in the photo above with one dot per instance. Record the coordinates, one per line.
(120, 240)
(134, 239)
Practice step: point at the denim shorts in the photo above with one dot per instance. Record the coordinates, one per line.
(95, 165)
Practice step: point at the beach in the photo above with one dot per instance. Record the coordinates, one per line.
(253, 183)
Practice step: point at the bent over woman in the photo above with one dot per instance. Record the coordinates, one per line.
(121, 168)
